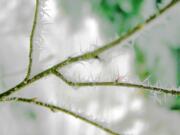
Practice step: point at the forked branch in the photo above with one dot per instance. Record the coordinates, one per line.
(116, 83)
(86, 56)
(93, 54)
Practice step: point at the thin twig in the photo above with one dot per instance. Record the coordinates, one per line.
(90, 55)
(55, 108)
(115, 83)
(138, 28)
(32, 40)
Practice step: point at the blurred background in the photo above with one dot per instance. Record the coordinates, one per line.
(68, 28)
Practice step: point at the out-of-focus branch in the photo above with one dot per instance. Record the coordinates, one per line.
(32, 40)
(116, 83)
(55, 108)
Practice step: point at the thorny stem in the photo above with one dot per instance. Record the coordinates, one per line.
(86, 56)
(32, 40)
(90, 55)
(115, 83)
(128, 35)
(55, 108)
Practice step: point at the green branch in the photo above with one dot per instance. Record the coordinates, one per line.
(55, 108)
(93, 54)
(96, 52)
(32, 40)
(115, 83)
(136, 29)
(86, 56)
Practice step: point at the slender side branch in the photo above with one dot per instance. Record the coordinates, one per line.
(138, 28)
(88, 55)
(32, 40)
(115, 83)
(55, 108)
